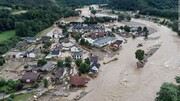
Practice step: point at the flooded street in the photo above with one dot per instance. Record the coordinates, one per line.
(123, 81)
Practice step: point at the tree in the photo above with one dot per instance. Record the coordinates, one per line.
(146, 34)
(139, 54)
(127, 28)
(137, 16)
(78, 62)
(93, 12)
(113, 29)
(128, 17)
(82, 41)
(2, 82)
(12, 96)
(84, 68)
(121, 27)
(47, 45)
(68, 61)
(41, 62)
(45, 83)
(120, 17)
(77, 37)
(168, 92)
(178, 79)
(2, 61)
(35, 85)
(60, 63)
(145, 29)
(87, 61)
(139, 29)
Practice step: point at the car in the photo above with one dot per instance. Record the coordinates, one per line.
(29, 89)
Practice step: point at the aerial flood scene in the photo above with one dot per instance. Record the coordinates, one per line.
(89, 50)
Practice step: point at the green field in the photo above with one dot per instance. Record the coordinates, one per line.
(6, 35)
(44, 32)
(23, 97)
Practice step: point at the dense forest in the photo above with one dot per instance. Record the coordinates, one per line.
(162, 8)
(38, 16)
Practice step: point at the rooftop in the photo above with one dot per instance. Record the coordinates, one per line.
(104, 40)
(77, 80)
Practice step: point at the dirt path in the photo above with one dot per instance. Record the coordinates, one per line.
(122, 81)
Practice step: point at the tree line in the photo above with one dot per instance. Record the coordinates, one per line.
(162, 8)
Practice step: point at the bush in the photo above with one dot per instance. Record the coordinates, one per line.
(35, 85)
(84, 68)
(41, 62)
(78, 62)
(139, 54)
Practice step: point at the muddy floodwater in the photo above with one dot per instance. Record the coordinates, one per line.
(122, 81)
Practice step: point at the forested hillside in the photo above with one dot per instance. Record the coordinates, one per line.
(163, 8)
(40, 15)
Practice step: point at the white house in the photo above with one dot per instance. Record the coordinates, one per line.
(77, 55)
(74, 49)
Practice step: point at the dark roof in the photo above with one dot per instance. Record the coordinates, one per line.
(94, 58)
(77, 80)
(55, 52)
(59, 47)
(21, 44)
(45, 38)
(58, 72)
(30, 75)
(118, 42)
(95, 64)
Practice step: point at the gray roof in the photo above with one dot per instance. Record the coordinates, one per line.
(104, 40)
(78, 53)
(64, 40)
(22, 44)
(47, 66)
(93, 58)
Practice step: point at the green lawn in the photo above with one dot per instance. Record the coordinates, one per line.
(6, 35)
(23, 97)
(44, 32)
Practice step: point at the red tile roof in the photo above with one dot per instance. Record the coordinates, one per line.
(77, 80)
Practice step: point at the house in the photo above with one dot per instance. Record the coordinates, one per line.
(53, 54)
(32, 54)
(27, 54)
(104, 41)
(21, 45)
(58, 47)
(58, 73)
(94, 68)
(101, 34)
(47, 67)
(45, 39)
(64, 40)
(77, 81)
(133, 29)
(74, 49)
(31, 39)
(117, 43)
(30, 77)
(32, 68)
(93, 36)
(94, 59)
(77, 55)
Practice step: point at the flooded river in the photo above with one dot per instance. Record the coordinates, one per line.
(123, 81)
